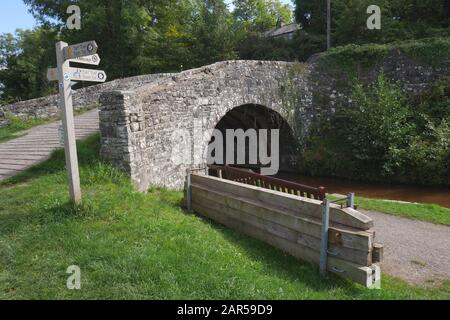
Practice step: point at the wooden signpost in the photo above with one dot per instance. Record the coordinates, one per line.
(92, 60)
(83, 53)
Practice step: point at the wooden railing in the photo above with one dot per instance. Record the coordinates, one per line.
(292, 224)
(251, 178)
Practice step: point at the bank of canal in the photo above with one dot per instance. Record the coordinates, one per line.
(408, 193)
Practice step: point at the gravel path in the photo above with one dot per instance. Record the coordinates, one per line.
(415, 251)
(39, 142)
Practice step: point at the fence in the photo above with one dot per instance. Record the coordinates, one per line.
(248, 177)
(292, 224)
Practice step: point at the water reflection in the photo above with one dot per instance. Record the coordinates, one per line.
(436, 195)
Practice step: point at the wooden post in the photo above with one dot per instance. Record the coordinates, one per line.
(351, 200)
(324, 236)
(65, 100)
(188, 190)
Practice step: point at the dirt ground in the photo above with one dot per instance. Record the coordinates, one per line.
(415, 251)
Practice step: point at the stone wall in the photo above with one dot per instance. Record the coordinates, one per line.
(47, 107)
(333, 89)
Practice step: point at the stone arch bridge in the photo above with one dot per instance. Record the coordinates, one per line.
(137, 122)
(137, 126)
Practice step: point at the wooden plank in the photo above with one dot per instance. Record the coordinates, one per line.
(299, 206)
(378, 253)
(7, 172)
(360, 240)
(25, 148)
(16, 167)
(375, 282)
(24, 157)
(16, 162)
(19, 153)
(78, 50)
(361, 275)
(363, 258)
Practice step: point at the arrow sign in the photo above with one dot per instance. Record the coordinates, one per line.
(92, 60)
(80, 50)
(77, 74)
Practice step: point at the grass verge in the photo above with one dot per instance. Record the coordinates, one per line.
(144, 246)
(418, 211)
(17, 125)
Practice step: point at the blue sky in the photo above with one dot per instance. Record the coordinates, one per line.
(14, 14)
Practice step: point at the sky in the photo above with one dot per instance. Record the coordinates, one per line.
(14, 14)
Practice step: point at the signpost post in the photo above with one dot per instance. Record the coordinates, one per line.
(84, 53)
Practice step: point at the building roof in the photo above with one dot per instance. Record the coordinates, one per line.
(284, 29)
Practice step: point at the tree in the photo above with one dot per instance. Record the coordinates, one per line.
(350, 22)
(147, 36)
(312, 14)
(261, 15)
(401, 19)
(212, 30)
(134, 37)
(426, 12)
(24, 59)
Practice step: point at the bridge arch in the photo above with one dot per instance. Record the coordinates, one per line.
(148, 130)
(255, 117)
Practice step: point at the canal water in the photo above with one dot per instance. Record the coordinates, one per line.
(436, 195)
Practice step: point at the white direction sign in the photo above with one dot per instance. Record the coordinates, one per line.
(77, 74)
(80, 50)
(92, 60)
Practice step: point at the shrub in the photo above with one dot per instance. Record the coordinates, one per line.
(384, 138)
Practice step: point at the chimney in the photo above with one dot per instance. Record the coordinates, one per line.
(280, 23)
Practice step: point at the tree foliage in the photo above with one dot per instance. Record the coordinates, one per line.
(24, 59)
(261, 15)
(150, 36)
(401, 19)
(385, 137)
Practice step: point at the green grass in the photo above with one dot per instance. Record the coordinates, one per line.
(425, 212)
(145, 246)
(16, 125)
(350, 58)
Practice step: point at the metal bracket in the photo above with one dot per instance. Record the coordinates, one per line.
(324, 252)
(338, 270)
(324, 238)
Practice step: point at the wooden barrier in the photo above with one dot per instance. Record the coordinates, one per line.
(292, 224)
(267, 182)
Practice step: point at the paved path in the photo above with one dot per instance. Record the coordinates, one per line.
(39, 142)
(416, 251)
